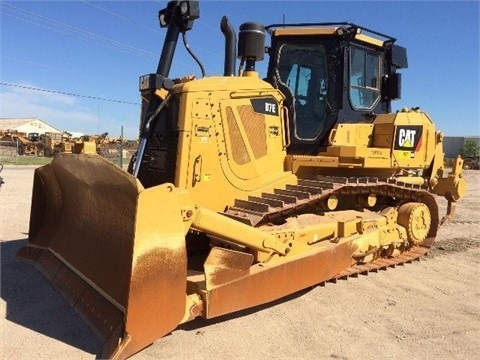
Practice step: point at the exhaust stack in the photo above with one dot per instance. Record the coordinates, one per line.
(230, 44)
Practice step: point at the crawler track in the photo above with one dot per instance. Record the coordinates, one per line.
(414, 253)
(310, 195)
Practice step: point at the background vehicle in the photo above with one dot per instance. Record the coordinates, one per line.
(244, 190)
(54, 143)
(27, 144)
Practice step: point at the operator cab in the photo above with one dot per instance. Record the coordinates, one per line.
(332, 73)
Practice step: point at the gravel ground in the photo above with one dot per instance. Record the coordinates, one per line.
(429, 309)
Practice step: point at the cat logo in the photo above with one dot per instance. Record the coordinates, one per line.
(408, 138)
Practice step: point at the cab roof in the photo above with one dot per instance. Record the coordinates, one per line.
(339, 29)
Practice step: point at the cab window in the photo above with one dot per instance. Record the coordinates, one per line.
(302, 68)
(364, 78)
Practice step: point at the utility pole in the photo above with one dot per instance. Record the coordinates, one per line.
(98, 119)
(121, 147)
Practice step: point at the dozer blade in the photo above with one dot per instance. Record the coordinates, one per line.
(115, 251)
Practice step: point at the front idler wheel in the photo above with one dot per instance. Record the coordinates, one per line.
(416, 219)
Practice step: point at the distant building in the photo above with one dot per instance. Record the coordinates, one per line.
(452, 145)
(27, 125)
(75, 134)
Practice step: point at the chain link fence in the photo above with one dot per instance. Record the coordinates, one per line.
(113, 152)
(9, 154)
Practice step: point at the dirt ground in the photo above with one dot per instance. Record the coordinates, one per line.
(429, 309)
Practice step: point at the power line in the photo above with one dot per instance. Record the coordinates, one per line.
(67, 29)
(58, 26)
(110, 12)
(124, 18)
(69, 94)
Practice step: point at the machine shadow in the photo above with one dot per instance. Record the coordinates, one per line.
(33, 303)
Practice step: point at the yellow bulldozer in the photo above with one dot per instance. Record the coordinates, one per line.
(245, 188)
(54, 143)
(89, 144)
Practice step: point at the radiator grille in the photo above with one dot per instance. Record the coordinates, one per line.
(255, 129)
(254, 125)
(239, 149)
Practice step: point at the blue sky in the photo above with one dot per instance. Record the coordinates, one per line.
(98, 49)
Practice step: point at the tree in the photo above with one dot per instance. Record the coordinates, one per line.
(471, 148)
